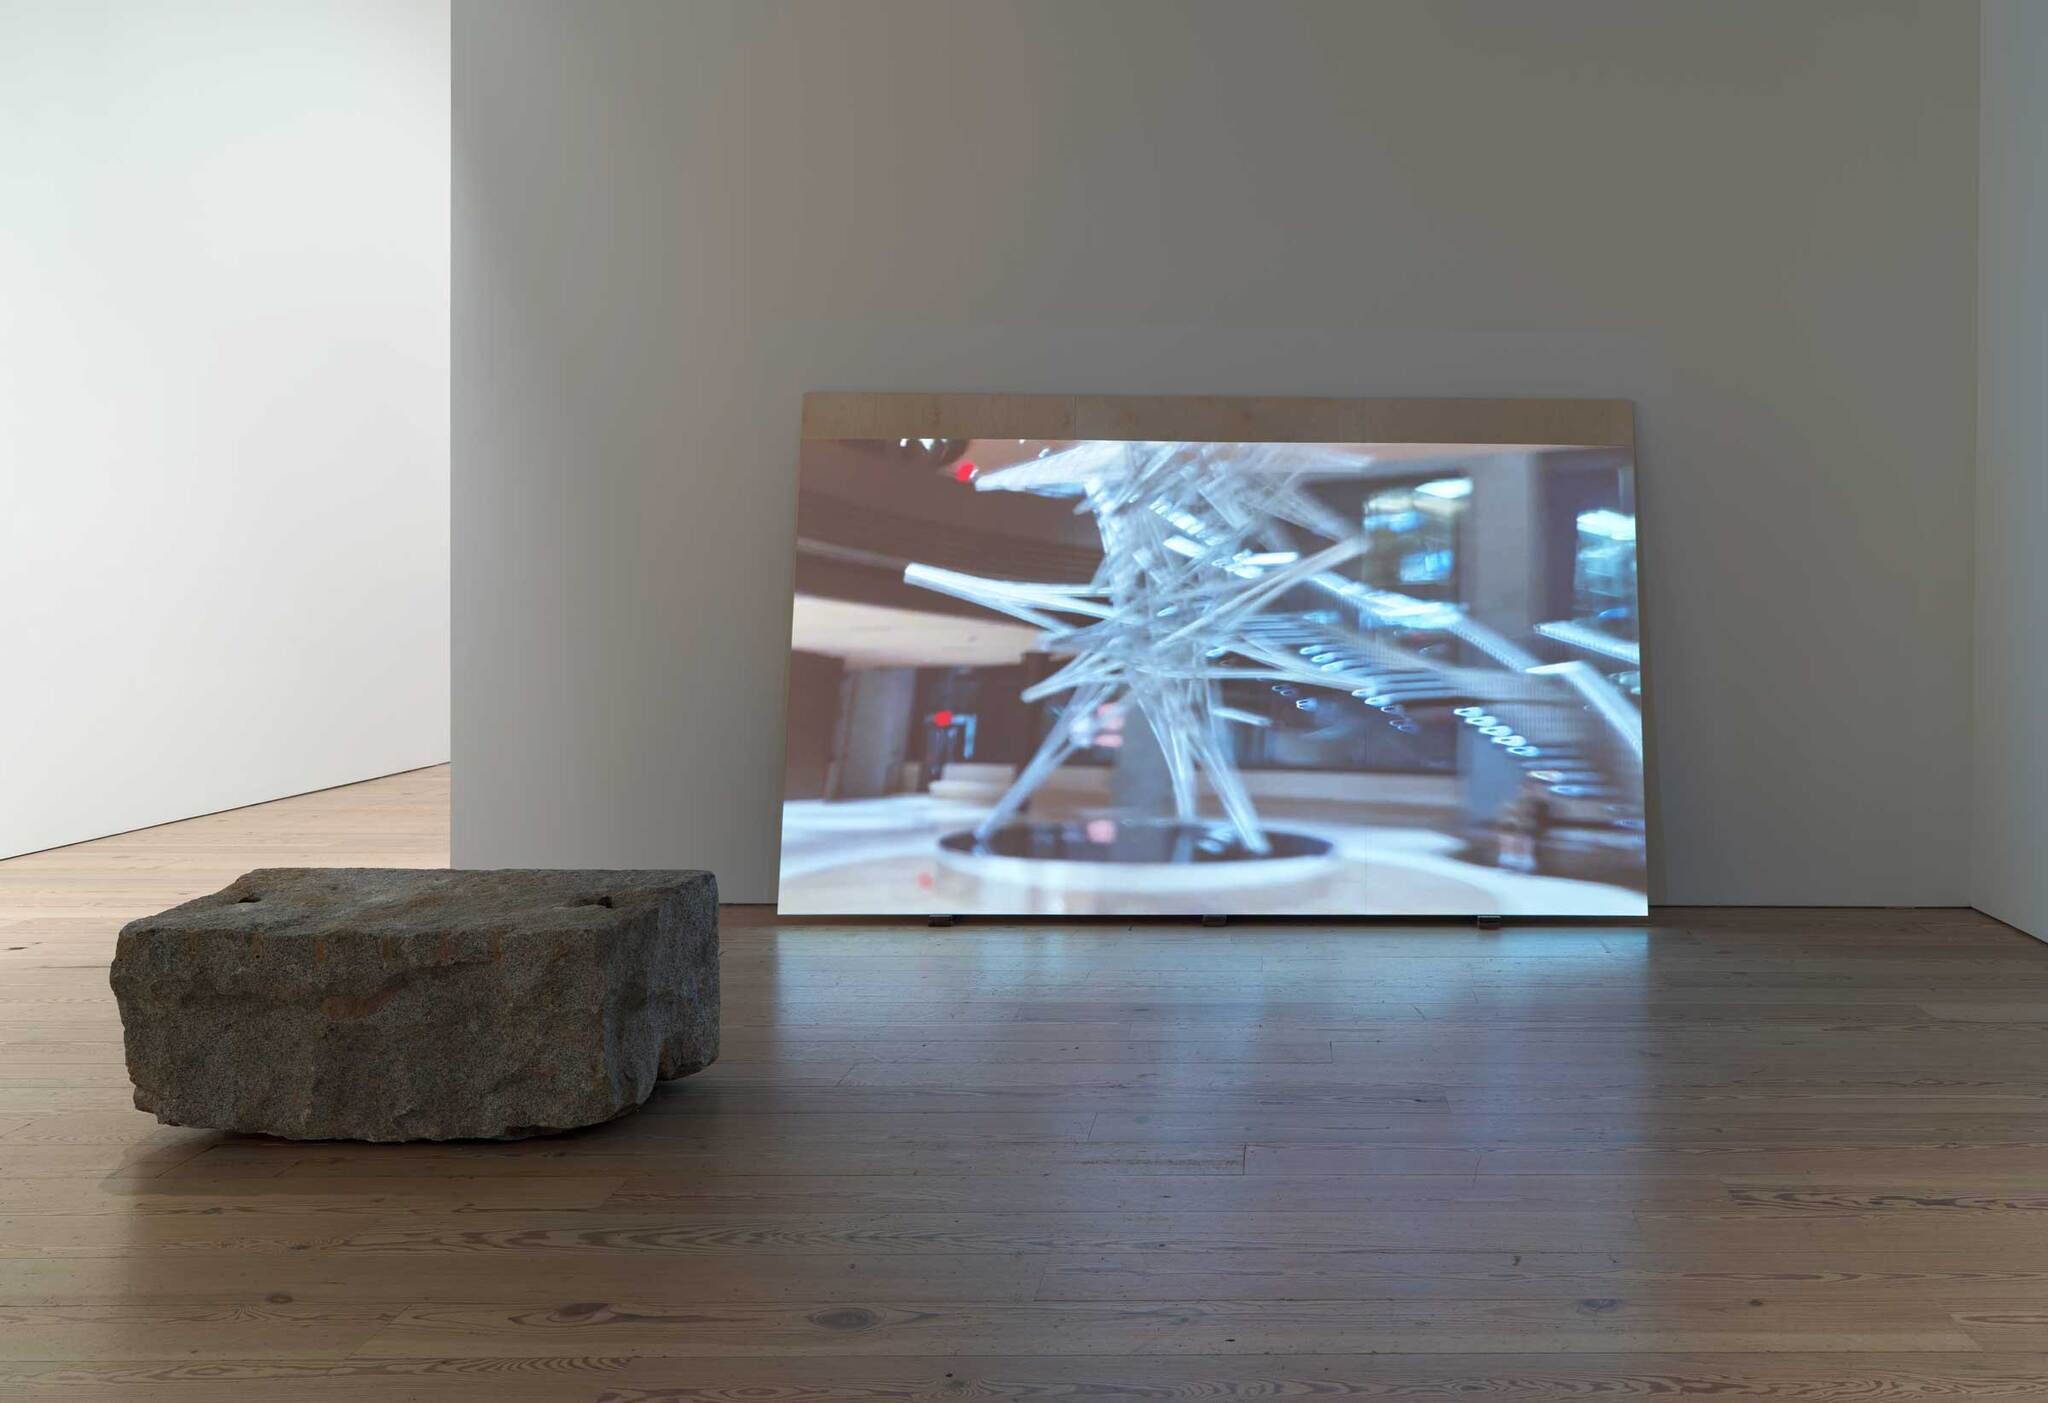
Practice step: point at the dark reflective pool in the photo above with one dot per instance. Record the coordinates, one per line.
(1122, 840)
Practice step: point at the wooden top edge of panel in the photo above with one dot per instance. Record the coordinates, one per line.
(1221, 418)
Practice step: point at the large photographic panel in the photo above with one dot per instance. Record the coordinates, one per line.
(1173, 675)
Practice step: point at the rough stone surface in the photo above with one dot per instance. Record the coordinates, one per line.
(386, 1004)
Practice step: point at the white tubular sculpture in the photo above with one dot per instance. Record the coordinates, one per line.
(1200, 545)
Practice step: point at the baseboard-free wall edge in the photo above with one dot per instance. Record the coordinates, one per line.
(2009, 923)
(224, 809)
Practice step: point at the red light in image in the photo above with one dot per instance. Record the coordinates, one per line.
(942, 719)
(963, 471)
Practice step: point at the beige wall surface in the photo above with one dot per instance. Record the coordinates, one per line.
(223, 405)
(1755, 220)
(2010, 834)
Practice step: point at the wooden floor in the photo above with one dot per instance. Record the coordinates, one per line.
(1735, 1154)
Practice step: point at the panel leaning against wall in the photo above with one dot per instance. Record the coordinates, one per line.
(1159, 674)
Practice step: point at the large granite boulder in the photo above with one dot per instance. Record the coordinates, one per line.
(386, 1004)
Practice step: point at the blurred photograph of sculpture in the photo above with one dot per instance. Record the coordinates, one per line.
(1111, 677)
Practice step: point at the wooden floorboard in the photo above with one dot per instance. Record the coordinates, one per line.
(1723, 1153)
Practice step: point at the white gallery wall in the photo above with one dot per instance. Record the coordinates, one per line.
(223, 404)
(2010, 835)
(1755, 219)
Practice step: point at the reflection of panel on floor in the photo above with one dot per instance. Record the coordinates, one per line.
(971, 783)
(1416, 798)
